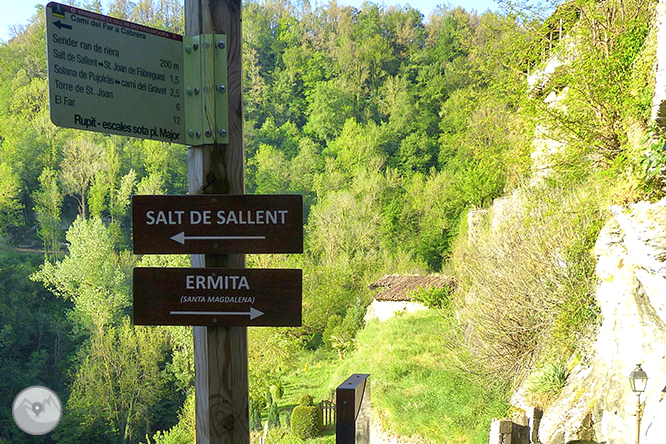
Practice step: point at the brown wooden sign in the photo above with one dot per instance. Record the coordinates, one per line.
(217, 224)
(218, 297)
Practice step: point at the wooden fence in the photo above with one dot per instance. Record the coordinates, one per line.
(328, 414)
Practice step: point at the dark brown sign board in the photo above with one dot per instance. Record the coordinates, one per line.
(218, 297)
(217, 224)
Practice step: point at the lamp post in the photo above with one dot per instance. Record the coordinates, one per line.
(638, 380)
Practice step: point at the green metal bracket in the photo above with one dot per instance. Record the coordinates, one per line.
(222, 90)
(206, 95)
(193, 88)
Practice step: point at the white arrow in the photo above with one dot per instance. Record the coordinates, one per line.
(181, 238)
(253, 313)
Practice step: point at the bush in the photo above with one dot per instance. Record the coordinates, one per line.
(306, 419)
(332, 326)
(433, 297)
(306, 400)
(340, 332)
(268, 397)
(278, 390)
(528, 283)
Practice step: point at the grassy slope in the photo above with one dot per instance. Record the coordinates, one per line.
(415, 388)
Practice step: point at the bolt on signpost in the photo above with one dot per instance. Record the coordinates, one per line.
(117, 77)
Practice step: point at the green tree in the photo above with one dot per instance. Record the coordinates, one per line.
(599, 78)
(330, 105)
(82, 159)
(36, 341)
(255, 415)
(48, 206)
(271, 171)
(93, 275)
(271, 353)
(151, 184)
(165, 160)
(119, 382)
(273, 415)
(10, 205)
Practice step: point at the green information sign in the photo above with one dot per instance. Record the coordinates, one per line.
(113, 76)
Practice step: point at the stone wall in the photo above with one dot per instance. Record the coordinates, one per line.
(384, 310)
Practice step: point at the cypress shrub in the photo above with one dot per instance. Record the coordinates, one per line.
(306, 420)
(269, 397)
(273, 415)
(279, 390)
(255, 415)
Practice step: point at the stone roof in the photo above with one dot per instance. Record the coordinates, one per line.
(400, 288)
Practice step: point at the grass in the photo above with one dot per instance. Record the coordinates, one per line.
(415, 388)
(312, 375)
(546, 383)
(415, 383)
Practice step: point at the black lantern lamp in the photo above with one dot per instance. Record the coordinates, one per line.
(638, 380)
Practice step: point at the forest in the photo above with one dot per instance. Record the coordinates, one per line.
(392, 126)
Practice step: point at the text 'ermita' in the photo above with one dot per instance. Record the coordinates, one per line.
(193, 282)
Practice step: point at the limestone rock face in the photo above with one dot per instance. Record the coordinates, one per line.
(597, 405)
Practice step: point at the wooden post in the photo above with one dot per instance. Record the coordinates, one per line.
(220, 353)
(353, 410)
(501, 431)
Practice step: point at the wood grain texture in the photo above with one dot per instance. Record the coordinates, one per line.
(220, 353)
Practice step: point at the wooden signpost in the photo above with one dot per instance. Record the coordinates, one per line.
(220, 353)
(117, 77)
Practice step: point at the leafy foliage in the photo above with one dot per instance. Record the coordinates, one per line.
(609, 38)
(529, 280)
(48, 206)
(392, 127)
(92, 275)
(119, 383)
(653, 161)
(37, 344)
(434, 297)
(255, 415)
(10, 205)
(273, 415)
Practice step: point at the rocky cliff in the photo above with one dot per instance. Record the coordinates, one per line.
(597, 405)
